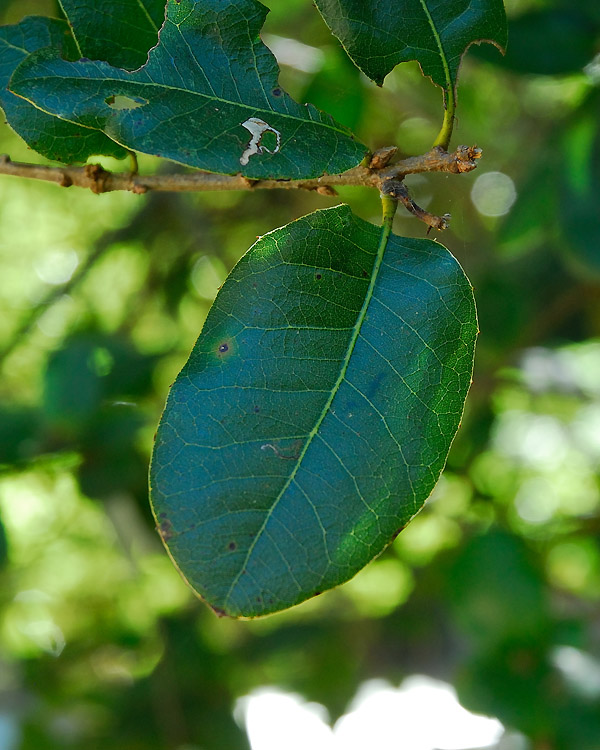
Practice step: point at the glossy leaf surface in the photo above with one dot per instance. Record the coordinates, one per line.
(50, 136)
(315, 413)
(118, 31)
(208, 97)
(379, 34)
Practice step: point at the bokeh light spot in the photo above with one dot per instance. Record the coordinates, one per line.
(493, 193)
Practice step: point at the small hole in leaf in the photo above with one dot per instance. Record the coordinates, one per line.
(223, 348)
(269, 142)
(120, 102)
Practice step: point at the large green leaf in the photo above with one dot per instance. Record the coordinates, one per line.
(315, 413)
(50, 136)
(120, 33)
(379, 34)
(208, 97)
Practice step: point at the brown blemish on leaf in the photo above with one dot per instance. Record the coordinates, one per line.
(165, 529)
(232, 546)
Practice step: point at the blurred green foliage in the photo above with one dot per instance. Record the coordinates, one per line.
(495, 586)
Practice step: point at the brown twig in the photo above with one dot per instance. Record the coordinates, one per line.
(374, 174)
(397, 189)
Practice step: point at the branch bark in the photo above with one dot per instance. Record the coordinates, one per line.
(98, 180)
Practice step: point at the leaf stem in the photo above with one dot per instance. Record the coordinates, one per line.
(389, 205)
(443, 138)
(445, 134)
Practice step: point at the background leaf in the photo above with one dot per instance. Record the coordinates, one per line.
(315, 413)
(208, 97)
(120, 33)
(50, 136)
(548, 41)
(578, 188)
(379, 34)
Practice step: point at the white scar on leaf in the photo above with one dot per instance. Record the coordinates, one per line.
(258, 128)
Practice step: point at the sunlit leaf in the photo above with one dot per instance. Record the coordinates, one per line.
(120, 33)
(50, 136)
(379, 34)
(208, 97)
(315, 413)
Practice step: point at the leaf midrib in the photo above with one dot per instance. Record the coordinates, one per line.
(345, 363)
(438, 41)
(162, 86)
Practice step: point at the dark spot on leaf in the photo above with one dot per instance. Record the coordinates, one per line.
(256, 409)
(223, 348)
(364, 273)
(166, 530)
(162, 515)
(232, 546)
(276, 92)
(317, 593)
(217, 610)
(318, 276)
